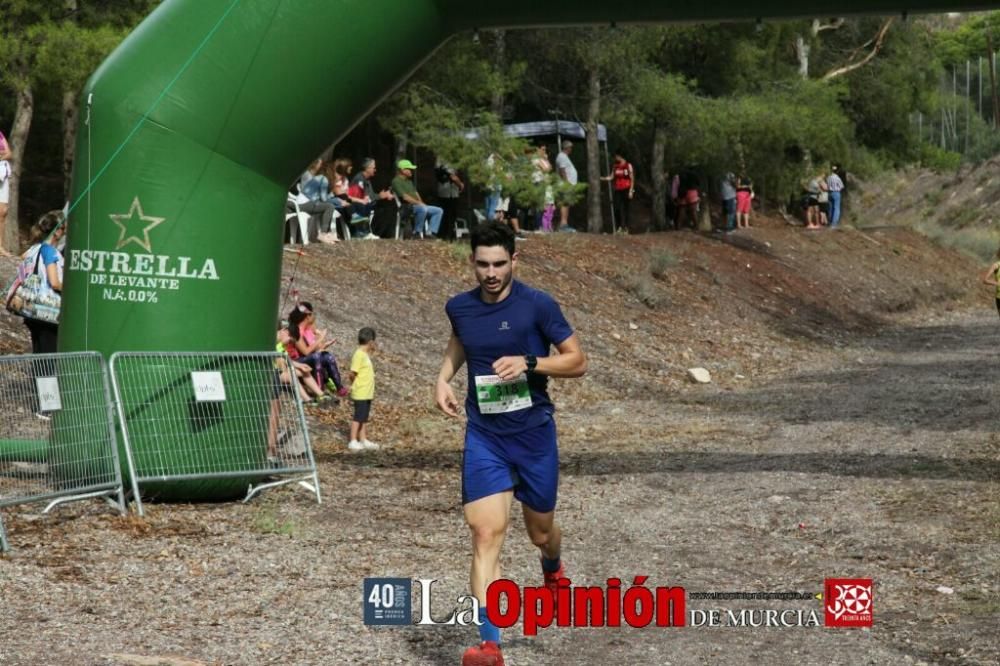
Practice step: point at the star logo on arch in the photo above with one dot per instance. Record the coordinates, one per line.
(135, 226)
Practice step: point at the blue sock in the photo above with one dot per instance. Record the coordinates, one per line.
(550, 566)
(488, 631)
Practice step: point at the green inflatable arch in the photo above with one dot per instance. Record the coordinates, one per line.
(193, 129)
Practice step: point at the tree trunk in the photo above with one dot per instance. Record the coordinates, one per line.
(659, 182)
(18, 139)
(802, 49)
(500, 65)
(993, 78)
(70, 112)
(595, 222)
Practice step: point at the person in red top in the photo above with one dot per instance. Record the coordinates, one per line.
(623, 181)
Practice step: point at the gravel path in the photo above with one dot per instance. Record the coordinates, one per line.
(880, 460)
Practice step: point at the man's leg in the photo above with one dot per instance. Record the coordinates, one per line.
(4, 252)
(419, 214)
(563, 216)
(487, 518)
(434, 214)
(543, 532)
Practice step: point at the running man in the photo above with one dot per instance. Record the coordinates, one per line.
(992, 278)
(503, 330)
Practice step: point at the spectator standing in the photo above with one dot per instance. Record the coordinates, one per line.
(449, 188)
(403, 187)
(493, 185)
(823, 199)
(48, 262)
(622, 178)
(689, 200)
(5, 173)
(727, 188)
(362, 390)
(835, 186)
(673, 203)
(812, 203)
(744, 201)
(567, 173)
(540, 177)
(992, 278)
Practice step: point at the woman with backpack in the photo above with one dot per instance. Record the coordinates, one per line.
(47, 263)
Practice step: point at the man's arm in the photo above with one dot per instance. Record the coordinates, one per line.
(989, 277)
(570, 362)
(454, 359)
(458, 181)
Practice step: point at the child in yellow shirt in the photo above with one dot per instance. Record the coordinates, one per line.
(362, 377)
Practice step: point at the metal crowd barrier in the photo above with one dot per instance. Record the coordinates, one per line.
(57, 437)
(211, 425)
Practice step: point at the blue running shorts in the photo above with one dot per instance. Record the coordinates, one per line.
(527, 461)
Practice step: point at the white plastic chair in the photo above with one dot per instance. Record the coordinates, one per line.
(302, 218)
(461, 227)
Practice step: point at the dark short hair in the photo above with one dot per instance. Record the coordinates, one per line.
(493, 234)
(366, 335)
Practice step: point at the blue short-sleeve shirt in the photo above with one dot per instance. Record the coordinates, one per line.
(528, 321)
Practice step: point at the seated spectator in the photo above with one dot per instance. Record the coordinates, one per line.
(312, 346)
(305, 383)
(380, 205)
(406, 191)
(350, 207)
(315, 186)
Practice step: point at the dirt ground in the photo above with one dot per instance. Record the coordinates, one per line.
(849, 432)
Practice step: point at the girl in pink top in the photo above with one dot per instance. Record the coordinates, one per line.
(311, 344)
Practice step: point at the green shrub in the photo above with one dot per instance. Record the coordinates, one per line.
(660, 261)
(974, 241)
(460, 250)
(933, 157)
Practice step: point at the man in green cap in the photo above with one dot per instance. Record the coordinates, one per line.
(406, 191)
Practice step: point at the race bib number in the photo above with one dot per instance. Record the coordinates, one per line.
(496, 396)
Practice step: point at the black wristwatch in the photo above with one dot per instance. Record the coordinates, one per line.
(531, 361)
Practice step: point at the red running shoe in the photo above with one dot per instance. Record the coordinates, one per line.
(552, 583)
(552, 579)
(486, 654)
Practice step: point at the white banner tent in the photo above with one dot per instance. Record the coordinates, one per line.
(559, 129)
